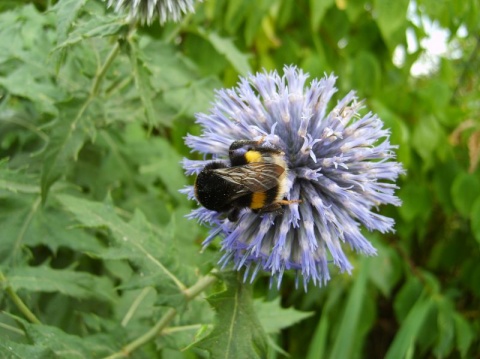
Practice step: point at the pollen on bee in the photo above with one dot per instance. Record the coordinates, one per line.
(253, 156)
(258, 200)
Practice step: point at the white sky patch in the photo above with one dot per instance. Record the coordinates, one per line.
(435, 45)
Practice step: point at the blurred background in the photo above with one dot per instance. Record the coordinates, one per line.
(116, 137)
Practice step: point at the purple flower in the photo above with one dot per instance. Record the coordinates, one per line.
(341, 166)
(146, 10)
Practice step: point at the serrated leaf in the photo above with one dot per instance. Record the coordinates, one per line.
(17, 181)
(99, 26)
(136, 240)
(275, 318)
(142, 77)
(67, 346)
(13, 350)
(227, 48)
(67, 11)
(237, 332)
(67, 138)
(67, 282)
(24, 222)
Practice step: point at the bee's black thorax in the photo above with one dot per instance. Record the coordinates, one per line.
(212, 191)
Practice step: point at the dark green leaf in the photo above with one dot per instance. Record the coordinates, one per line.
(344, 342)
(237, 332)
(404, 341)
(465, 191)
(227, 48)
(318, 10)
(475, 219)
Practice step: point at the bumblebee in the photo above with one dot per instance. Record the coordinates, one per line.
(255, 179)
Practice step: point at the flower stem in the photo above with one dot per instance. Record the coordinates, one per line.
(190, 293)
(103, 70)
(22, 307)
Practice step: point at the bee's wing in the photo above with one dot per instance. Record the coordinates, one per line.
(253, 177)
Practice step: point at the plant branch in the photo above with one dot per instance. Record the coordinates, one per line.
(22, 307)
(190, 293)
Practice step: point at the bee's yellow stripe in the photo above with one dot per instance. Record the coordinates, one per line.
(258, 200)
(253, 156)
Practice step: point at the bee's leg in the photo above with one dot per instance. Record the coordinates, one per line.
(276, 208)
(233, 214)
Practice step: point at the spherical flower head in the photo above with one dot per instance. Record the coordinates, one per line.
(340, 166)
(145, 11)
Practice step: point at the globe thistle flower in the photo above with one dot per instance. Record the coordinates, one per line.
(341, 167)
(146, 10)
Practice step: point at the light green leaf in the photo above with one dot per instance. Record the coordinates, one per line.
(68, 282)
(237, 332)
(275, 318)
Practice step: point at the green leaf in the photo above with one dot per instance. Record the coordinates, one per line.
(426, 139)
(68, 346)
(318, 9)
(227, 48)
(13, 350)
(237, 332)
(366, 74)
(465, 191)
(99, 26)
(67, 11)
(392, 21)
(464, 334)
(404, 341)
(72, 283)
(344, 341)
(475, 219)
(17, 181)
(67, 138)
(275, 318)
(142, 77)
(24, 222)
(136, 240)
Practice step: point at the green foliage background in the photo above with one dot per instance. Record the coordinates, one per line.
(96, 256)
